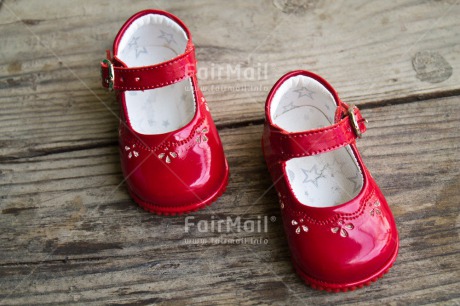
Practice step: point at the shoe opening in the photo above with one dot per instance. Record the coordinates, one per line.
(300, 104)
(152, 39)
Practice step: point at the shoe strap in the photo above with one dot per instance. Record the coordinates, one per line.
(342, 133)
(117, 77)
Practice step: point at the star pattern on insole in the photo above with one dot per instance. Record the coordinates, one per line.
(133, 42)
(140, 51)
(304, 91)
(169, 38)
(313, 172)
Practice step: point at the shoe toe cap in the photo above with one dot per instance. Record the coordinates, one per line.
(184, 180)
(347, 252)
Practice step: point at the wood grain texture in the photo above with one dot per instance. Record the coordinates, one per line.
(373, 52)
(70, 234)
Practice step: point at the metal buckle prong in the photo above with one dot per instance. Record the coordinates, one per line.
(354, 121)
(111, 78)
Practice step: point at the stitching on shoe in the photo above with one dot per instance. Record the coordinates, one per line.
(291, 155)
(331, 220)
(154, 86)
(312, 132)
(182, 57)
(167, 144)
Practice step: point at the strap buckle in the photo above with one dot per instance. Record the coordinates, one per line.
(354, 120)
(111, 77)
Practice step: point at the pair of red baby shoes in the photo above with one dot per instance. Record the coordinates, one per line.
(340, 230)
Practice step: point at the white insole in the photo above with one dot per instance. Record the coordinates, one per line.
(150, 40)
(322, 180)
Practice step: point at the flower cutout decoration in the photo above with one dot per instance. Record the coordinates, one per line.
(202, 136)
(167, 156)
(299, 226)
(342, 228)
(131, 151)
(376, 209)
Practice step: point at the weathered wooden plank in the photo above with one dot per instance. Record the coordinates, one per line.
(68, 235)
(372, 52)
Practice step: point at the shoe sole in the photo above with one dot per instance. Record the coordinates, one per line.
(335, 287)
(179, 210)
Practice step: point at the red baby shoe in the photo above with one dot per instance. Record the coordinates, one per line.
(171, 154)
(340, 230)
